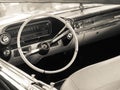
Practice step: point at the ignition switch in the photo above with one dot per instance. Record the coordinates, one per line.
(69, 36)
(66, 40)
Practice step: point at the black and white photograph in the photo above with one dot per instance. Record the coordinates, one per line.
(59, 45)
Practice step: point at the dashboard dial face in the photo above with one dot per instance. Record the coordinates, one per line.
(5, 39)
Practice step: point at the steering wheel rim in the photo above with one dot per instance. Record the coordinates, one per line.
(42, 70)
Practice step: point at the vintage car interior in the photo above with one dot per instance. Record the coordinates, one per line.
(59, 46)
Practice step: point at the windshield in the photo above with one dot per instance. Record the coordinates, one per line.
(9, 9)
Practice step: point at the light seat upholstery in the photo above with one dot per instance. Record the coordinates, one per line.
(101, 76)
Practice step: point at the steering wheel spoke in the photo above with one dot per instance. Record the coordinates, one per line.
(59, 37)
(32, 52)
(60, 32)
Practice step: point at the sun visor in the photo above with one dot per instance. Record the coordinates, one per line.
(68, 1)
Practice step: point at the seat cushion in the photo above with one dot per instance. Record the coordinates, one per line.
(101, 76)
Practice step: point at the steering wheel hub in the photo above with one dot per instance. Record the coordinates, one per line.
(44, 48)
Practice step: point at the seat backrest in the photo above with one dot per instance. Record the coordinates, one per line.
(99, 76)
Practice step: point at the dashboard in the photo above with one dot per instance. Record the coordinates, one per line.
(89, 27)
(36, 31)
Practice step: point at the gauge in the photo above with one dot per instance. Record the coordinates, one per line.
(5, 39)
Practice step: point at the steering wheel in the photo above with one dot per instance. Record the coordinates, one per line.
(33, 66)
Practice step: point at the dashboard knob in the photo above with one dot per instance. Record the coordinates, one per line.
(5, 39)
(5, 53)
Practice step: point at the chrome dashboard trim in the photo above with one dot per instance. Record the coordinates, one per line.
(20, 79)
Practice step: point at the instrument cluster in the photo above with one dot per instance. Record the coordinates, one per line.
(35, 32)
